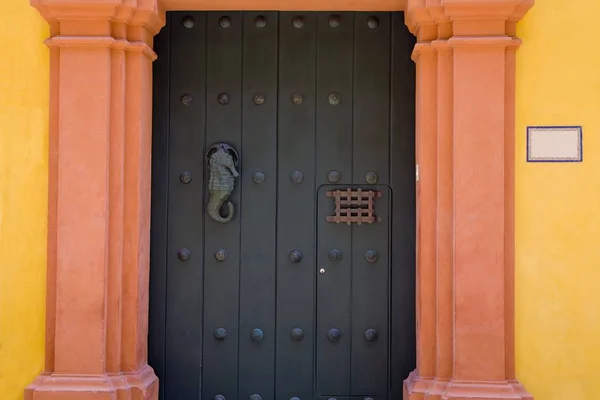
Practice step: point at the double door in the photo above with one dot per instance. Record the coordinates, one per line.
(283, 206)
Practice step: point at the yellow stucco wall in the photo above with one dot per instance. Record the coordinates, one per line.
(558, 205)
(23, 193)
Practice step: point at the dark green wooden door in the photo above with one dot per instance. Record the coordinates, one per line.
(284, 301)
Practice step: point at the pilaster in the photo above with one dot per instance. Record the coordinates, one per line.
(465, 154)
(101, 70)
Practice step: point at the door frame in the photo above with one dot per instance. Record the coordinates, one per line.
(99, 192)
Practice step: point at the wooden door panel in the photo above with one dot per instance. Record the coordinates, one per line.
(222, 278)
(258, 215)
(295, 204)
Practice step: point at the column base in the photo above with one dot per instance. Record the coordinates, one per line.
(141, 385)
(416, 388)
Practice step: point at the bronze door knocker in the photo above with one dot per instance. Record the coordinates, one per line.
(222, 162)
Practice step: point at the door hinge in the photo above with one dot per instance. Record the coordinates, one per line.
(417, 172)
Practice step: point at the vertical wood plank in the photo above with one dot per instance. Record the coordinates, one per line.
(370, 301)
(186, 145)
(296, 208)
(221, 279)
(371, 96)
(335, 67)
(402, 181)
(370, 290)
(335, 54)
(258, 219)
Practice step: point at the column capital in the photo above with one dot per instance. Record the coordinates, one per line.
(131, 19)
(441, 19)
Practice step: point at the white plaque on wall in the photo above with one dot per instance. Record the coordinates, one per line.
(554, 144)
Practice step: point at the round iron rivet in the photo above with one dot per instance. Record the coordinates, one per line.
(257, 336)
(184, 254)
(297, 176)
(373, 22)
(334, 21)
(223, 98)
(371, 177)
(332, 398)
(219, 397)
(368, 398)
(259, 99)
(371, 256)
(334, 99)
(186, 99)
(335, 255)
(333, 176)
(258, 177)
(297, 98)
(371, 335)
(260, 21)
(220, 334)
(295, 256)
(294, 398)
(185, 178)
(322, 271)
(298, 22)
(255, 397)
(334, 335)
(221, 255)
(188, 22)
(297, 334)
(225, 22)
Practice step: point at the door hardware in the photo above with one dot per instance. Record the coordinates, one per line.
(297, 176)
(220, 334)
(334, 334)
(371, 178)
(297, 334)
(186, 99)
(257, 335)
(260, 21)
(335, 255)
(333, 176)
(258, 99)
(185, 178)
(222, 161)
(295, 256)
(221, 255)
(371, 256)
(184, 254)
(371, 335)
(258, 177)
(225, 22)
(188, 22)
(354, 206)
(223, 99)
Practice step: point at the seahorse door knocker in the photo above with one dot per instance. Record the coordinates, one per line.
(222, 163)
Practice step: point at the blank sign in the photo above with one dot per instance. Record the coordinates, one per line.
(554, 144)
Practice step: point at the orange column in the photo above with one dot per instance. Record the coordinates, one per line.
(467, 271)
(444, 205)
(82, 237)
(426, 241)
(100, 202)
(138, 166)
(479, 197)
